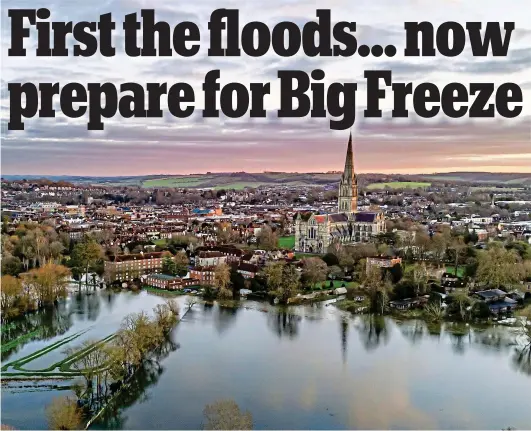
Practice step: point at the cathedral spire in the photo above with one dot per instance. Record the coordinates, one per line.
(348, 187)
(349, 160)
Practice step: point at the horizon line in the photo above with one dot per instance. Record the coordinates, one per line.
(265, 172)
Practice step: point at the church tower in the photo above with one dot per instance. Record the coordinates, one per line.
(348, 186)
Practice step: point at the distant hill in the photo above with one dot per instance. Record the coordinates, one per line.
(240, 180)
(482, 177)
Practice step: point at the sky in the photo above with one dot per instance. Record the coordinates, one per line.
(64, 146)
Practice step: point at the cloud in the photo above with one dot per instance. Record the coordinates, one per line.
(197, 144)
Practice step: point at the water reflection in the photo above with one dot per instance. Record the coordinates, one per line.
(522, 359)
(44, 324)
(413, 330)
(344, 338)
(284, 323)
(114, 416)
(225, 317)
(373, 331)
(405, 385)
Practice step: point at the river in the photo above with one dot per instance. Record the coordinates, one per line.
(304, 367)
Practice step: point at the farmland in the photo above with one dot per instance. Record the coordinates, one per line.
(399, 185)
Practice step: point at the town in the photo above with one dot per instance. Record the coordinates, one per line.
(444, 252)
(443, 249)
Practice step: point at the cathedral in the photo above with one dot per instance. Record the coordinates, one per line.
(315, 232)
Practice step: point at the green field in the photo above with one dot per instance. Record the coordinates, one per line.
(238, 180)
(398, 185)
(286, 242)
(184, 181)
(460, 270)
(238, 185)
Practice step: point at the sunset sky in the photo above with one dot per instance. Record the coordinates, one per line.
(63, 146)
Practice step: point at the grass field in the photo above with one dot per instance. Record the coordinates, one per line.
(398, 185)
(160, 242)
(460, 270)
(238, 185)
(305, 255)
(178, 181)
(286, 242)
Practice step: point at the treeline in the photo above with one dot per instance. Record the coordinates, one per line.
(140, 342)
(38, 263)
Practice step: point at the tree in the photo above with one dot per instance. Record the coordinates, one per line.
(314, 270)
(419, 276)
(138, 336)
(289, 285)
(522, 248)
(49, 282)
(422, 242)
(11, 265)
(378, 288)
(395, 272)
(168, 266)
(86, 253)
(222, 281)
(439, 246)
(181, 262)
(237, 281)
(11, 291)
(460, 301)
(64, 414)
(55, 249)
(226, 415)
(272, 273)
(90, 364)
(344, 259)
(166, 315)
(458, 246)
(267, 239)
(498, 267)
(336, 272)
(330, 259)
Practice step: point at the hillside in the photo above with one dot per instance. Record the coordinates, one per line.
(240, 180)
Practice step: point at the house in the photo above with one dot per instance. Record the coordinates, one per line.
(405, 304)
(450, 282)
(247, 270)
(168, 282)
(340, 291)
(497, 300)
(127, 267)
(383, 262)
(210, 258)
(203, 275)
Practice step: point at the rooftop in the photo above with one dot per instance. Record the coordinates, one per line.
(162, 277)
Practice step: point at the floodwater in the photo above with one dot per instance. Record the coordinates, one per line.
(305, 367)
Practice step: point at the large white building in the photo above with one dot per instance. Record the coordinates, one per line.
(315, 232)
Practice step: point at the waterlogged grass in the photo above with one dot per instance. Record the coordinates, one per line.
(20, 340)
(60, 369)
(17, 364)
